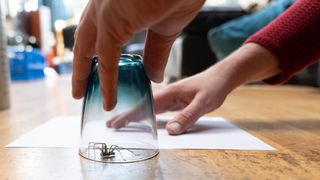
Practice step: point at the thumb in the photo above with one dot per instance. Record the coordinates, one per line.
(186, 118)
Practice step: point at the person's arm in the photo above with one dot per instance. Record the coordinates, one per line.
(207, 91)
(249, 63)
(274, 54)
(293, 38)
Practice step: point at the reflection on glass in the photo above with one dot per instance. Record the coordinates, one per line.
(128, 140)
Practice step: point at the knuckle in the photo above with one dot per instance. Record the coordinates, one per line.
(184, 117)
(187, 116)
(78, 33)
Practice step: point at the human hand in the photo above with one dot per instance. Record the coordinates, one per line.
(206, 91)
(106, 25)
(136, 114)
(195, 96)
(192, 97)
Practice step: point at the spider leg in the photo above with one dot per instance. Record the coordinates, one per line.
(117, 149)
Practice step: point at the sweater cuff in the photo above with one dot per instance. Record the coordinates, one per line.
(287, 69)
(293, 41)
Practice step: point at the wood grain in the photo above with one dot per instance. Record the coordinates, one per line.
(286, 117)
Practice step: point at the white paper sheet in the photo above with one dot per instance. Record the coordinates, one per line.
(208, 133)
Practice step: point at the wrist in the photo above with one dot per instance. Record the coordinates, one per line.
(249, 63)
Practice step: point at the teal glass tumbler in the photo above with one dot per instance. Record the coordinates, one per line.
(128, 133)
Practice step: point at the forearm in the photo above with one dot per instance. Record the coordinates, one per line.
(249, 63)
(293, 38)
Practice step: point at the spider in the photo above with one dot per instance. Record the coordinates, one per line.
(105, 151)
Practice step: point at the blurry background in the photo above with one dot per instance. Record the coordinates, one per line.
(39, 36)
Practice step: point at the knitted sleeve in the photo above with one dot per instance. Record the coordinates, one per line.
(294, 38)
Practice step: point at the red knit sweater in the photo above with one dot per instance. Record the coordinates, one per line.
(294, 38)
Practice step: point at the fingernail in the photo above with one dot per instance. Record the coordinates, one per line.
(175, 127)
(158, 79)
(107, 106)
(104, 106)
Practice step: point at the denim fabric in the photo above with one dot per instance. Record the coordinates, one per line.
(228, 37)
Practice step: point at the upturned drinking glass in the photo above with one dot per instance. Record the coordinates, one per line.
(128, 133)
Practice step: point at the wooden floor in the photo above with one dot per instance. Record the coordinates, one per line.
(287, 117)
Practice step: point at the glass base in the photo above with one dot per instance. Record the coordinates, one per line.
(118, 152)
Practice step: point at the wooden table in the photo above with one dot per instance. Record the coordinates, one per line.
(287, 117)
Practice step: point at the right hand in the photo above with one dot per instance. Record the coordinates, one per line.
(106, 24)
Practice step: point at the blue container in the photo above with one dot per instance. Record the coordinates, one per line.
(26, 65)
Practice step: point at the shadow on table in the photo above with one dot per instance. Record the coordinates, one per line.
(281, 124)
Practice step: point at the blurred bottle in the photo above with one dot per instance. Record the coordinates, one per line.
(4, 74)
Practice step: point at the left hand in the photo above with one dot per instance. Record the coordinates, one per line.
(195, 96)
(206, 91)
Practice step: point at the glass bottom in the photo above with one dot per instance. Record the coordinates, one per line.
(118, 152)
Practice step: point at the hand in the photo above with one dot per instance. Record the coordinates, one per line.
(106, 24)
(206, 91)
(195, 96)
(136, 114)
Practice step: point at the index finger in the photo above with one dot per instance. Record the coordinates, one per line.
(83, 51)
(165, 100)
